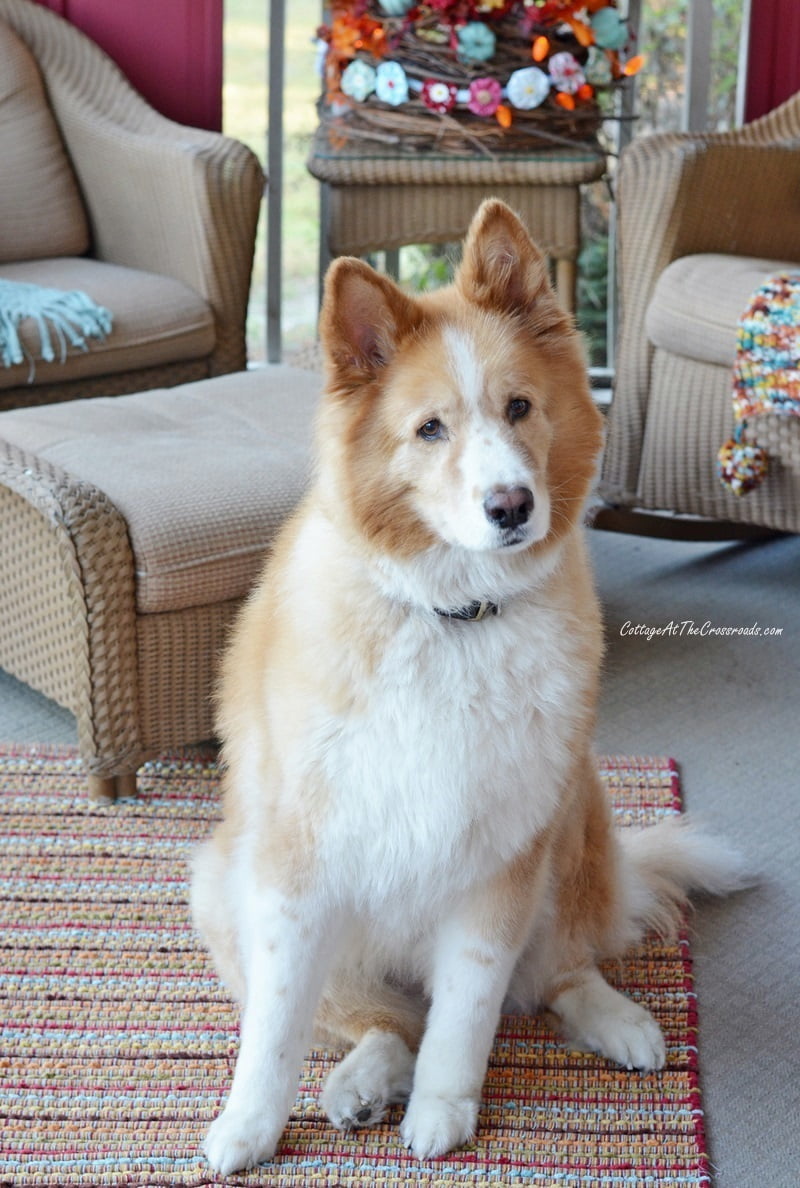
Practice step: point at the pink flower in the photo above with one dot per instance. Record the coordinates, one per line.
(484, 96)
(439, 96)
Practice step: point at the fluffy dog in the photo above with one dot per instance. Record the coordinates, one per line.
(414, 830)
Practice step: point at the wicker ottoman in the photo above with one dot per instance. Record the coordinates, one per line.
(130, 529)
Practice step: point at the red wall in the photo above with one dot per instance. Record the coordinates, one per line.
(773, 71)
(170, 50)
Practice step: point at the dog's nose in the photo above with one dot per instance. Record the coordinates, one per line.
(507, 507)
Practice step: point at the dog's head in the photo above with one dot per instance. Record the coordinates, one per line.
(462, 417)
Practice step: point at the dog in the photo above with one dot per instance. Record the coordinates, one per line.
(414, 832)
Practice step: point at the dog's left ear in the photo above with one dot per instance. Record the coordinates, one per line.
(501, 267)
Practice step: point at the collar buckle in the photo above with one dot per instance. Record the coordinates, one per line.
(472, 613)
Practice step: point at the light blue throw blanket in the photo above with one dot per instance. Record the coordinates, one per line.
(63, 319)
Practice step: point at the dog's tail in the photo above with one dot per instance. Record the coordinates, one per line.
(660, 866)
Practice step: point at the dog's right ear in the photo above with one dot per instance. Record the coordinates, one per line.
(364, 318)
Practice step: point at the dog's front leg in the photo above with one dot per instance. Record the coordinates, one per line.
(470, 979)
(474, 956)
(287, 948)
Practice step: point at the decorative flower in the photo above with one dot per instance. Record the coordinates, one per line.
(528, 87)
(395, 7)
(391, 84)
(358, 80)
(597, 68)
(350, 33)
(476, 42)
(566, 72)
(439, 96)
(484, 96)
(345, 35)
(610, 31)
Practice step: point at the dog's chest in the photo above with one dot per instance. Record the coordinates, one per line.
(451, 760)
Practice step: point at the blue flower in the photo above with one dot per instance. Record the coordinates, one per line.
(358, 80)
(391, 84)
(476, 42)
(528, 87)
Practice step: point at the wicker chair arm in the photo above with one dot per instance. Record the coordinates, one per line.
(185, 208)
(648, 183)
(160, 196)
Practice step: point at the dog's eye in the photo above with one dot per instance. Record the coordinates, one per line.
(517, 409)
(431, 430)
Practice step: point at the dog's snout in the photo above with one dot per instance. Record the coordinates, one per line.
(508, 507)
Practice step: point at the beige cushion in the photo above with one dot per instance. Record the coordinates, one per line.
(698, 300)
(41, 212)
(203, 473)
(156, 320)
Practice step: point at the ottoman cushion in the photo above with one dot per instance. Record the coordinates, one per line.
(203, 474)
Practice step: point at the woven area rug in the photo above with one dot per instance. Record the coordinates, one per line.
(118, 1042)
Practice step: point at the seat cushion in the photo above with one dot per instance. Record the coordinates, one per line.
(698, 300)
(156, 320)
(41, 211)
(203, 474)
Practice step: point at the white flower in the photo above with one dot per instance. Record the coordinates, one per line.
(528, 88)
(358, 80)
(566, 73)
(391, 84)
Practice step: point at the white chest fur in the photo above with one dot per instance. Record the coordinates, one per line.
(452, 760)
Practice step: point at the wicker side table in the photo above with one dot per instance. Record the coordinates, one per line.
(375, 200)
(130, 530)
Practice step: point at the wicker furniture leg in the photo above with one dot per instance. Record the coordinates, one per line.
(107, 789)
(69, 628)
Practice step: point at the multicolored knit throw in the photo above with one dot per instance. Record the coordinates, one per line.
(766, 376)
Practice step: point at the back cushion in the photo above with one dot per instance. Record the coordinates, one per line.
(41, 212)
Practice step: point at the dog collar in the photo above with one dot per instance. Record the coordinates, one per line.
(472, 613)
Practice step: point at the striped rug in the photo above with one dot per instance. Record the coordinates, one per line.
(118, 1043)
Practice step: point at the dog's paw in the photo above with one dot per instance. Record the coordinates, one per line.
(236, 1141)
(623, 1032)
(632, 1038)
(596, 1018)
(377, 1073)
(434, 1125)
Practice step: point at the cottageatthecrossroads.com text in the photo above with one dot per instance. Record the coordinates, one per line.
(689, 627)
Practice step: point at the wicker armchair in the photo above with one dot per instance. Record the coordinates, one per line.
(168, 214)
(702, 220)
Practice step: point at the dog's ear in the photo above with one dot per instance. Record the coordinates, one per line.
(502, 269)
(364, 318)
